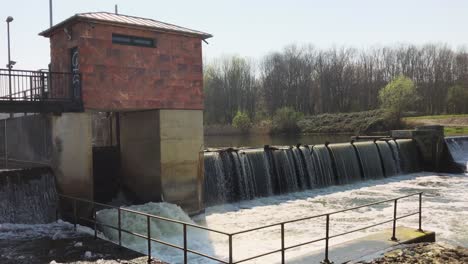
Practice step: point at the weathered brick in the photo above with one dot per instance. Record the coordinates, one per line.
(119, 77)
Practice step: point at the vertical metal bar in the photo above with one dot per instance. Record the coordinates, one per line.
(230, 249)
(30, 88)
(75, 215)
(393, 238)
(6, 145)
(42, 86)
(282, 244)
(148, 229)
(120, 226)
(327, 237)
(185, 244)
(420, 213)
(50, 13)
(95, 222)
(9, 60)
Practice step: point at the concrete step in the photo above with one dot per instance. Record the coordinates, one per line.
(357, 249)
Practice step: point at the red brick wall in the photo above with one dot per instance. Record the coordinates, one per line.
(120, 77)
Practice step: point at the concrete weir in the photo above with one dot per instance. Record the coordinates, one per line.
(367, 247)
(160, 156)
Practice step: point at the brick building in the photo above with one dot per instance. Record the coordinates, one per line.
(148, 76)
(130, 63)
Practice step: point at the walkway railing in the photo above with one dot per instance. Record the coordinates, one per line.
(78, 201)
(36, 86)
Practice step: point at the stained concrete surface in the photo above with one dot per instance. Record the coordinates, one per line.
(357, 249)
(80, 249)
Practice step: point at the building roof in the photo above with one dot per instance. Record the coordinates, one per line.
(124, 20)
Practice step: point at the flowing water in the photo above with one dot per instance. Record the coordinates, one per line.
(458, 147)
(240, 174)
(27, 196)
(294, 182)
(445, 210)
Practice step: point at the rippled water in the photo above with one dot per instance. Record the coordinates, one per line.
(445, 211)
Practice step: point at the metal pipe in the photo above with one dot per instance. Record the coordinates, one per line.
(50, 13)
(327, 237)
(230, 249)
(120, 226)
(420, 213)
(393, 238)
(148, 229)
(282, 244)
(185, 244)
(9, 57)
(6, 145)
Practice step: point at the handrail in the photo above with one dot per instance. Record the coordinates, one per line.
(231, 235)
(38, 86)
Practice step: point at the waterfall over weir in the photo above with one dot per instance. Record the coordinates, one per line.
(27, 196)
(458, 147)
(234, 175)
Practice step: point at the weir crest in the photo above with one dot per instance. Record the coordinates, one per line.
(233, 175)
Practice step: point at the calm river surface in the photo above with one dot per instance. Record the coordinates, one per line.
(283, 140)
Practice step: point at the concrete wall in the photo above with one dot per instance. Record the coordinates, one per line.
(430, 142)
(140, 155)
(181, 134)
(160, 156)
(28, 141)
(119, 77)
(72, 159)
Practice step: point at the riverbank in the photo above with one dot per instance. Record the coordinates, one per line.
(423, 253)
(454, 124)
(374, 121)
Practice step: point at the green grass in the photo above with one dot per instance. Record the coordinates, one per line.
(355, 122)
(455, 131)
(435, 117)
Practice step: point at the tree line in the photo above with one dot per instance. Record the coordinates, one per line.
(314, 81)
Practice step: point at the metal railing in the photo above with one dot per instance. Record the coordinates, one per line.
(231, 236)
(36, 86)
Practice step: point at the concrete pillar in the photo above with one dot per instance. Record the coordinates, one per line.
(72, 156)
(181, 134)
(430, 142)
(160, 155)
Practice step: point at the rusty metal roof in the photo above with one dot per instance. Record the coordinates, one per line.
(124, 20)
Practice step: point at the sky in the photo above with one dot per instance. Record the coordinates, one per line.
(252, 28)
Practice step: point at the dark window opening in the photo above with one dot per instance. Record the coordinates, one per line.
(134, 41)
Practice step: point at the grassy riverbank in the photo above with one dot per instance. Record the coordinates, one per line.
(337, 123)
(366, 122)
(454, 124)
(356, 123)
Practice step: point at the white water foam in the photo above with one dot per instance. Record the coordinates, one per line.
(458, 147)
(445, 210)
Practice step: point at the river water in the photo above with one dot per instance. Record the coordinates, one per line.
(445, 210)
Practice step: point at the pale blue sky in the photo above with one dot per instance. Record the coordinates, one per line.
(253, 28)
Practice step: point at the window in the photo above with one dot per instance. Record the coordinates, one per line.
(134, 41)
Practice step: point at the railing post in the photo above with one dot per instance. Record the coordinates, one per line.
(185, 244)
(95, 222)
(120, 226)
(148, 230)
(42, 85)
(75, 214)
(327, 237)
(282, 244)
(230, 249)
(420, 213)
(393, 238)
